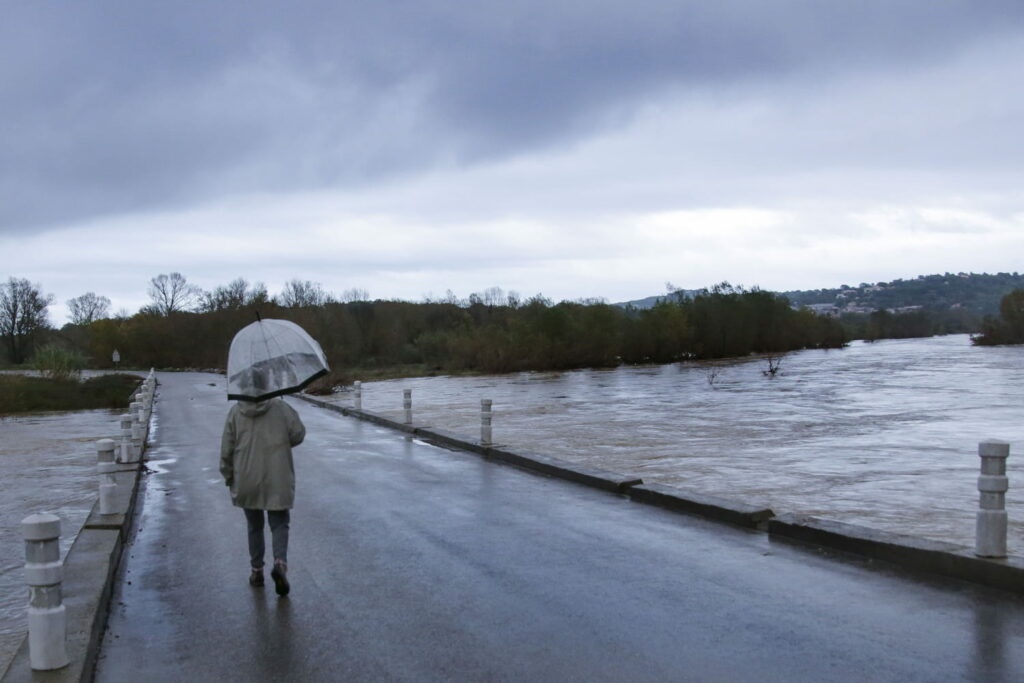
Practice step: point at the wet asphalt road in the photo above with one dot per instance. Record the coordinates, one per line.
(414, 563)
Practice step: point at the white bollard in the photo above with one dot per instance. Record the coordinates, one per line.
(990, 531)
(485, 421)
(126, 435)
(105, 467)
(125, 451)
(407, 404)
(47, 618)
(357, 397)
(138, 439)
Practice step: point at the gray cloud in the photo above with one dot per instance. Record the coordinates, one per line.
(112, 107)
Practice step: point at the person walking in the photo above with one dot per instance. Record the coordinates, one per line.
(256, 463)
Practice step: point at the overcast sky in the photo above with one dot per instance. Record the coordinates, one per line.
(570, 148)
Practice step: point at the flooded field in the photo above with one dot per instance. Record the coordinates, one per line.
(47, 464)
(884, 435)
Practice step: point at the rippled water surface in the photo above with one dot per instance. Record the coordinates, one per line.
(884, 435)
(47, 464)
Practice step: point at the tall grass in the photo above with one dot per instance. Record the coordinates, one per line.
(57, 363)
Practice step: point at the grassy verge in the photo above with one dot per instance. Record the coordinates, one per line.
(21, 394)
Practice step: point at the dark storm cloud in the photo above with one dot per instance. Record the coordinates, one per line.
(119, 106)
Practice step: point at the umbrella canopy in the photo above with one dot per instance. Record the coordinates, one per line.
(272, 357)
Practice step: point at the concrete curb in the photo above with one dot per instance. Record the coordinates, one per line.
(697, 503)
(920, 554)
(909, 552)
(588, 476)
(90, 569)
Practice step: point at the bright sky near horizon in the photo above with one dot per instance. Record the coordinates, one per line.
(575, 149)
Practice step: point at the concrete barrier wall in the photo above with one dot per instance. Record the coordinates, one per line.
(904, 551)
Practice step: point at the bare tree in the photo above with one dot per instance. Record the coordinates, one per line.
(774, 363)
(711, 372)
(22, 316)
(172, 293)
(301, 293)
(354, 294)
(235, 294)
(231, 295)
(258, 295)
(88, 308)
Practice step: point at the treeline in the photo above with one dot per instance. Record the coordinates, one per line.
(484, 333)
(885, 324)
(1008, 328)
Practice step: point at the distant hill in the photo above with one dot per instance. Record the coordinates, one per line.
(651, 300)
(977, 293)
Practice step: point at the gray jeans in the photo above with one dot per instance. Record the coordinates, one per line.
(279, 521)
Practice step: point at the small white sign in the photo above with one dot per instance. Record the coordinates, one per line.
(116, 356)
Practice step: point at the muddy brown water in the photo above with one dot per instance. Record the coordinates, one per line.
(884, 434)
(47, 464)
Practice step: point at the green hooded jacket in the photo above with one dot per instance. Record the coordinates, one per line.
(256, 454)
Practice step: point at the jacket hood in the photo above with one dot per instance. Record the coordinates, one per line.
(250, 409)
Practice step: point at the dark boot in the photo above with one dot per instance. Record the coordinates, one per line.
(279, 575)
(256, 577)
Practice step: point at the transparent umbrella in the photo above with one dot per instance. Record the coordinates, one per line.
(272, 357)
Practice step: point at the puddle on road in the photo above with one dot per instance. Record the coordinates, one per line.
(159, 466)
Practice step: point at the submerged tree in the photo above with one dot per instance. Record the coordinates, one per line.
(1009, 327)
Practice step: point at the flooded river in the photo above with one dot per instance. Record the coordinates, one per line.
(884, 435)
(47, 464)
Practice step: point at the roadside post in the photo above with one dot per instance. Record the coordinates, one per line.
(407, 404)
(991, 519)
(105, 467)
(485, 421)
(116, 357)
(47, 617)
(357, 397)
(126, 434)
(138, 439)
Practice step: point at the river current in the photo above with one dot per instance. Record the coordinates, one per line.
(47, 464)
(882, 434)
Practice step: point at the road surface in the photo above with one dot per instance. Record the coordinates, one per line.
(413, 563)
